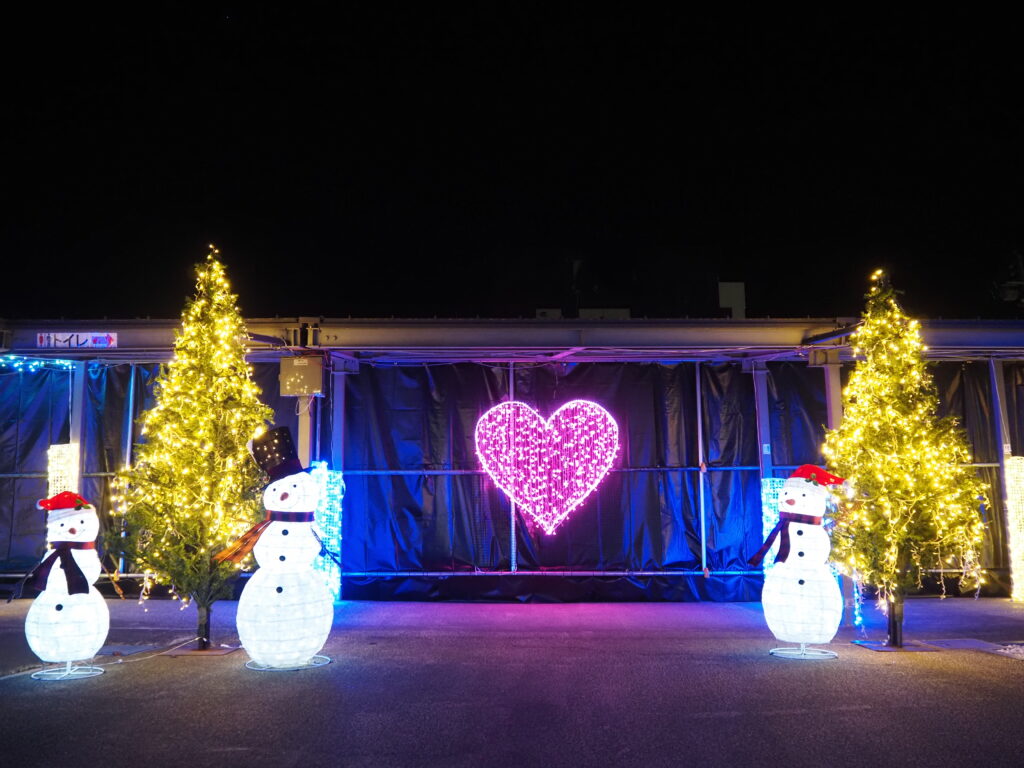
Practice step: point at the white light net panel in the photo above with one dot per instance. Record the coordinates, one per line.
(62, 468)
(1015, 522)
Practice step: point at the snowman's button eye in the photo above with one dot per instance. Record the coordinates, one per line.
(801, 583)
(60, 607)
(62, 525)
(281, 589)
(284, 532)
(281, 558)
(799, 533)
(800, 553)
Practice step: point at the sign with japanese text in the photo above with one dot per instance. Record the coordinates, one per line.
(76, 340)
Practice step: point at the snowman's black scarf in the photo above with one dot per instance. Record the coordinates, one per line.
(785, 518)
(324, 551)
(290, 517)
(37, 577)
(243, 545)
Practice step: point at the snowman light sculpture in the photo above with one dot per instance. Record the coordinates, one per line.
(286, 610)
(801, 598)
(69, 620)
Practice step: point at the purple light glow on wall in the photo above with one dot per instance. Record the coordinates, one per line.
(550, 467)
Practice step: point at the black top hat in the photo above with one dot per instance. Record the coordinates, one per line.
(275, 452)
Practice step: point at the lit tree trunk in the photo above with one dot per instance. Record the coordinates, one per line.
(203, 626)
(894, 606)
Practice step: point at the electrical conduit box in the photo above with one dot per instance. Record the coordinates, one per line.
(301, 375)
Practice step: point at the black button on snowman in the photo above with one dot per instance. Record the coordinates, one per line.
(801, 598)
(285, 611)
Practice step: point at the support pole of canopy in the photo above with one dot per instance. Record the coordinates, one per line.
(304, 442)
(702, 478)
(129, 432)
(314, 408)
(828, 360)
(831, 368)
(79, 374)
(1002, 424)
(129, 440)
(338, 386)
(337, 421)
(761, 409)
(833, 395)
(513, 565)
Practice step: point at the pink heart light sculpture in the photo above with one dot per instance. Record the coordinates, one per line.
(547, 467)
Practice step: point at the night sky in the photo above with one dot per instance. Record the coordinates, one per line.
(489, 159)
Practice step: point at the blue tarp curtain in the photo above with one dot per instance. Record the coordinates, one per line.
(416, 501)
(403, 423)
(34, 408)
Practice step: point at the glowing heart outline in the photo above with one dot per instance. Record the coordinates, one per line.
(529, 457)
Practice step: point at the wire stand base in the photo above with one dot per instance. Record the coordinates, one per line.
(68, 672)
(803, 653)
(314, 661)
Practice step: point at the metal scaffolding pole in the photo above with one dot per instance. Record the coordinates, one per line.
(703, 474)
(513, 564)
(338, 421)
(1002, 424)
(304, 440)
(77, 417)
(761, 410)
(128, 441)
(129, 437)
(833, 394)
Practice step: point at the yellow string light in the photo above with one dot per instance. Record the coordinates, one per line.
(194, 488)
(915, 504)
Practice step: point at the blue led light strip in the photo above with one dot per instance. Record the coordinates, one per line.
(771, 487)
(328, 521)
(858, 611)
(33, 364)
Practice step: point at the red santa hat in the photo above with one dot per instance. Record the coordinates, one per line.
(815, 475)
(64, 504)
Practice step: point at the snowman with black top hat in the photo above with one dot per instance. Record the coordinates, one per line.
(801, 598)
(286, 610)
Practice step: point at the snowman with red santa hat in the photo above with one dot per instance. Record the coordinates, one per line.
(69, 620)
(801, 598)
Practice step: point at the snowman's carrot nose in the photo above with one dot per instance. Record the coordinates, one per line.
(72, 531)
(791, 501)
(284, 495)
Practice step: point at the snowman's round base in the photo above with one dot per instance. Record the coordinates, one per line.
(803, 653)
(68, 672)
(315, 661)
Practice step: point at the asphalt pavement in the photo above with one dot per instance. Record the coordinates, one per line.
(503, 684)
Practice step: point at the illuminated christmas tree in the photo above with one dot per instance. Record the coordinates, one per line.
(915, 503)
(194, 488)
